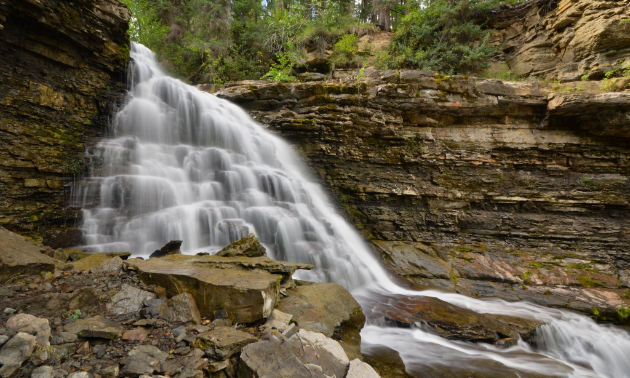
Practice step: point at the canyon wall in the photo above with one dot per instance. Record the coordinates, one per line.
(473, 185)
(62, 75)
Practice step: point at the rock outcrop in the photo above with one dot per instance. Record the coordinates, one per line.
(62, 70)
(485, 187)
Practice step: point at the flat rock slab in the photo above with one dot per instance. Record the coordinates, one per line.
(20, 257)
(246, 287)
(96, 259)
(96, 327)
(223, 342)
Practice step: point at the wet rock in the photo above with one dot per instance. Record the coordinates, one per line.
(32, 325)
(128, 300)
(385, 361)
(96, 327)
(20, 257)
(15, 352)
(248, 246)
(57, 304)
(223, 342)
(245, 287)
(359, 369)
(183, 309)
(171, 248)
(111, 265)
(63, 237)
(43, 372)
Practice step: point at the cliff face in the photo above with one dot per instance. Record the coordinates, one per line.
(563, 39)
(479, 186)
(62, 73)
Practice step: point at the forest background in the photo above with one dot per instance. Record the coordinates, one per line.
(218, 41)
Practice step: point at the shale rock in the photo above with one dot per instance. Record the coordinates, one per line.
(20, 257)
(248, 246)
(95, 327)
(129, 299)
(246, 287)
(171, 248)
(359, 369)
(15, 352)
(108, 266)
(223, 342)
(57, 304)
(43, 372)
(32, 325)
(183, 309)
(94, 260)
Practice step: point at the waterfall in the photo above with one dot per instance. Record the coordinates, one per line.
(183, 164)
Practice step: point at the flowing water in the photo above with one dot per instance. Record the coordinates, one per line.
(185, 165)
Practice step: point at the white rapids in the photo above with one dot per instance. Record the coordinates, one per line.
(186, 165)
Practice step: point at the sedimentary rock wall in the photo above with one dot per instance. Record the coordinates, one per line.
(469, 184)
(563, 39)
(61, 73)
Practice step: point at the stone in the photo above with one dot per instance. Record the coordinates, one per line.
(62, 237)
(248, 246)
(95, 327)
(94, 260)
(111, 265)
(137, 334)
(329, 353)
(270, 359)
(278, 320)
(359, 369)
(128, 300)
(246, 287)
(110, 371)
(183, 309)
(149, 350)
(156, 308)
(43, 372)
(17, 350)
(9, 310)
(39, 327)
(140, 364)
(171, 248)
(312, 76)
(18, 257)
(3, 339)
(151, 323)
(80, 374)
(223, 342)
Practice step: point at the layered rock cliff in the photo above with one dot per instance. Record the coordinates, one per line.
(62, 73)
(479, 186)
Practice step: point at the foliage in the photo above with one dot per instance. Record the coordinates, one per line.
(623, 312)
(442, 36)
(74, 315)
(500, 71)
(281, 71)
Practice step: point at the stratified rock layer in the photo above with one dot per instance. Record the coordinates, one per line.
(480, 186)
(62, 73)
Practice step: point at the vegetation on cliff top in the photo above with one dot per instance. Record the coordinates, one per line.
(216, 41)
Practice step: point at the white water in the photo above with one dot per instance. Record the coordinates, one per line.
(186, 165)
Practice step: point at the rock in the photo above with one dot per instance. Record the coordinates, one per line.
(171, 248)
(271, 359)
(111, 265)
(245, 287)
(248, 246)
(328, 352)
(84, 348)
(223, 342)
(137, 334)
(69, 254)
(62, 237)
(80, 374)
(359, 369)
(278, 320)
(129, 299)
(95, 327)
(110, 371)
(6, 292)
(385, 361)
(95, 259)
(149, 350)
(43, 372)
(156, 308)
(183, 309)
(100, 350)
(312, 76)
(58, 304)
(140, 364)
(9, 310)
(3, 339)
(15, 352)
(20, 257)
(30, 324)
(151, 323)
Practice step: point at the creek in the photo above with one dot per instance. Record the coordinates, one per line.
(185, 165)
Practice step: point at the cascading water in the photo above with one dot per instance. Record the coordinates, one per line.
(186, 165)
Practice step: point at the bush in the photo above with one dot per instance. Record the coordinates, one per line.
(442, 36)
(281, 71)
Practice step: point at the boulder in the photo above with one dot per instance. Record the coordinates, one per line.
(171, 248)
(155, 309)
(95, 259)
(110, 265)
(183, 309)
(15, 352)
(359, 369)
(43, 372)
(110, 371)
(57, 304)
(223, 342)
(248, 246)
(246, 287)
(328, 352)
(140, 364)
(20, 257)
(129, 299)
(272, 359)
(30, 324)
(151, 351)
(95, 327)
(278, 320)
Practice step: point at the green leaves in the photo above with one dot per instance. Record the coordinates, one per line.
(281, 71)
